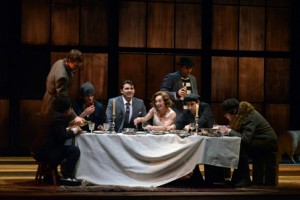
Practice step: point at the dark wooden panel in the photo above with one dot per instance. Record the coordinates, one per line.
(196, 70)
(158, 66)
(251, 79)
(252, 28)
(65, 22)
(278, 29)
(95, 71)
(218, 114)
(188, 31)
(278, 116)
(29, 121)
(277, 80)
(132, 28)
(160, 25)
(279, 3)
(225, 27)
(33, 73)
(133, 67)
(5, 73)
(93, 30)
(35, 21)
(4, 123)
(226, 2)
(252, 2)
(223, 78)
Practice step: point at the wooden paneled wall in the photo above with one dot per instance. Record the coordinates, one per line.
(247, 45)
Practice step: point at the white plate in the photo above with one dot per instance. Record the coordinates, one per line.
(158, 132)
(99, 132)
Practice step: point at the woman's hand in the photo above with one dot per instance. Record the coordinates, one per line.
(138, 120)
(172, 127)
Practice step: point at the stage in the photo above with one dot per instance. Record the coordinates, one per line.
(17, 182)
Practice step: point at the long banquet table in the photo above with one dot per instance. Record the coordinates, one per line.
(149, 160)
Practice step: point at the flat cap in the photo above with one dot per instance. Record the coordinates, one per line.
(191, 97)
(230, 105)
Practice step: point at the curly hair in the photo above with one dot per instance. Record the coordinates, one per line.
(165, 97)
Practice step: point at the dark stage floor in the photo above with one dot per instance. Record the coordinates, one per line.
(17, 175)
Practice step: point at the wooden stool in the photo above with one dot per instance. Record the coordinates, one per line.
(265, 169)
(45, 169)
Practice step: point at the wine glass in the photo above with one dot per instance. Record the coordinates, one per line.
(144, 124)
(91, 126)
(106, 127)
(193, 127)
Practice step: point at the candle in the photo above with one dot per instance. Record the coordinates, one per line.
(197, 108)
(114, 107)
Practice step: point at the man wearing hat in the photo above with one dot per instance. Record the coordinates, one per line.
(205, 115)
(205, 120)
(180, 83)
(87, 107)
(257, 139)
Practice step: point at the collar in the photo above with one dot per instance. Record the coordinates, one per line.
(125, 101)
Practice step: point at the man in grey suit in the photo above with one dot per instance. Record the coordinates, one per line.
(119, 105)
(180, 83)
(58, 82)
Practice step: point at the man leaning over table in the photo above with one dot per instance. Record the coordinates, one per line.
(117, 106)
(59, 81)
(205, 120)
(257, 136)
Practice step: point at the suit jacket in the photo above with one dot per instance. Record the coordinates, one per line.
(58, 83)
(172, 83)
(205, 120)
(138, 109)
(51, 135)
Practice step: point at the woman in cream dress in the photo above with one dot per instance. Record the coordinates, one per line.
(161, 113)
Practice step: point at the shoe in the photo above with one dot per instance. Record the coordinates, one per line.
(69, 181)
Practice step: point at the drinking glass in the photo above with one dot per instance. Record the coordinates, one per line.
(193, 127)
(222, 130)
(91, 126)
(106, 127)
(144, 124)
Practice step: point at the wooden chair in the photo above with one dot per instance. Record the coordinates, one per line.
(44, 169)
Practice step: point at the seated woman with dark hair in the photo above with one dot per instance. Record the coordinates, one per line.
(50, 145)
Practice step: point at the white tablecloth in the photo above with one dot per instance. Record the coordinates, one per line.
(149, 160)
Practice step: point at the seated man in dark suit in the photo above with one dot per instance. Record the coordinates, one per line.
(50, 145)
(205, 120)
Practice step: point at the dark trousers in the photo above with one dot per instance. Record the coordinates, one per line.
(256, 148)
(214, 174)
(66, 156)
(71, 156)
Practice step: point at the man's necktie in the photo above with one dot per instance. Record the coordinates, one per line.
(127, 113)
